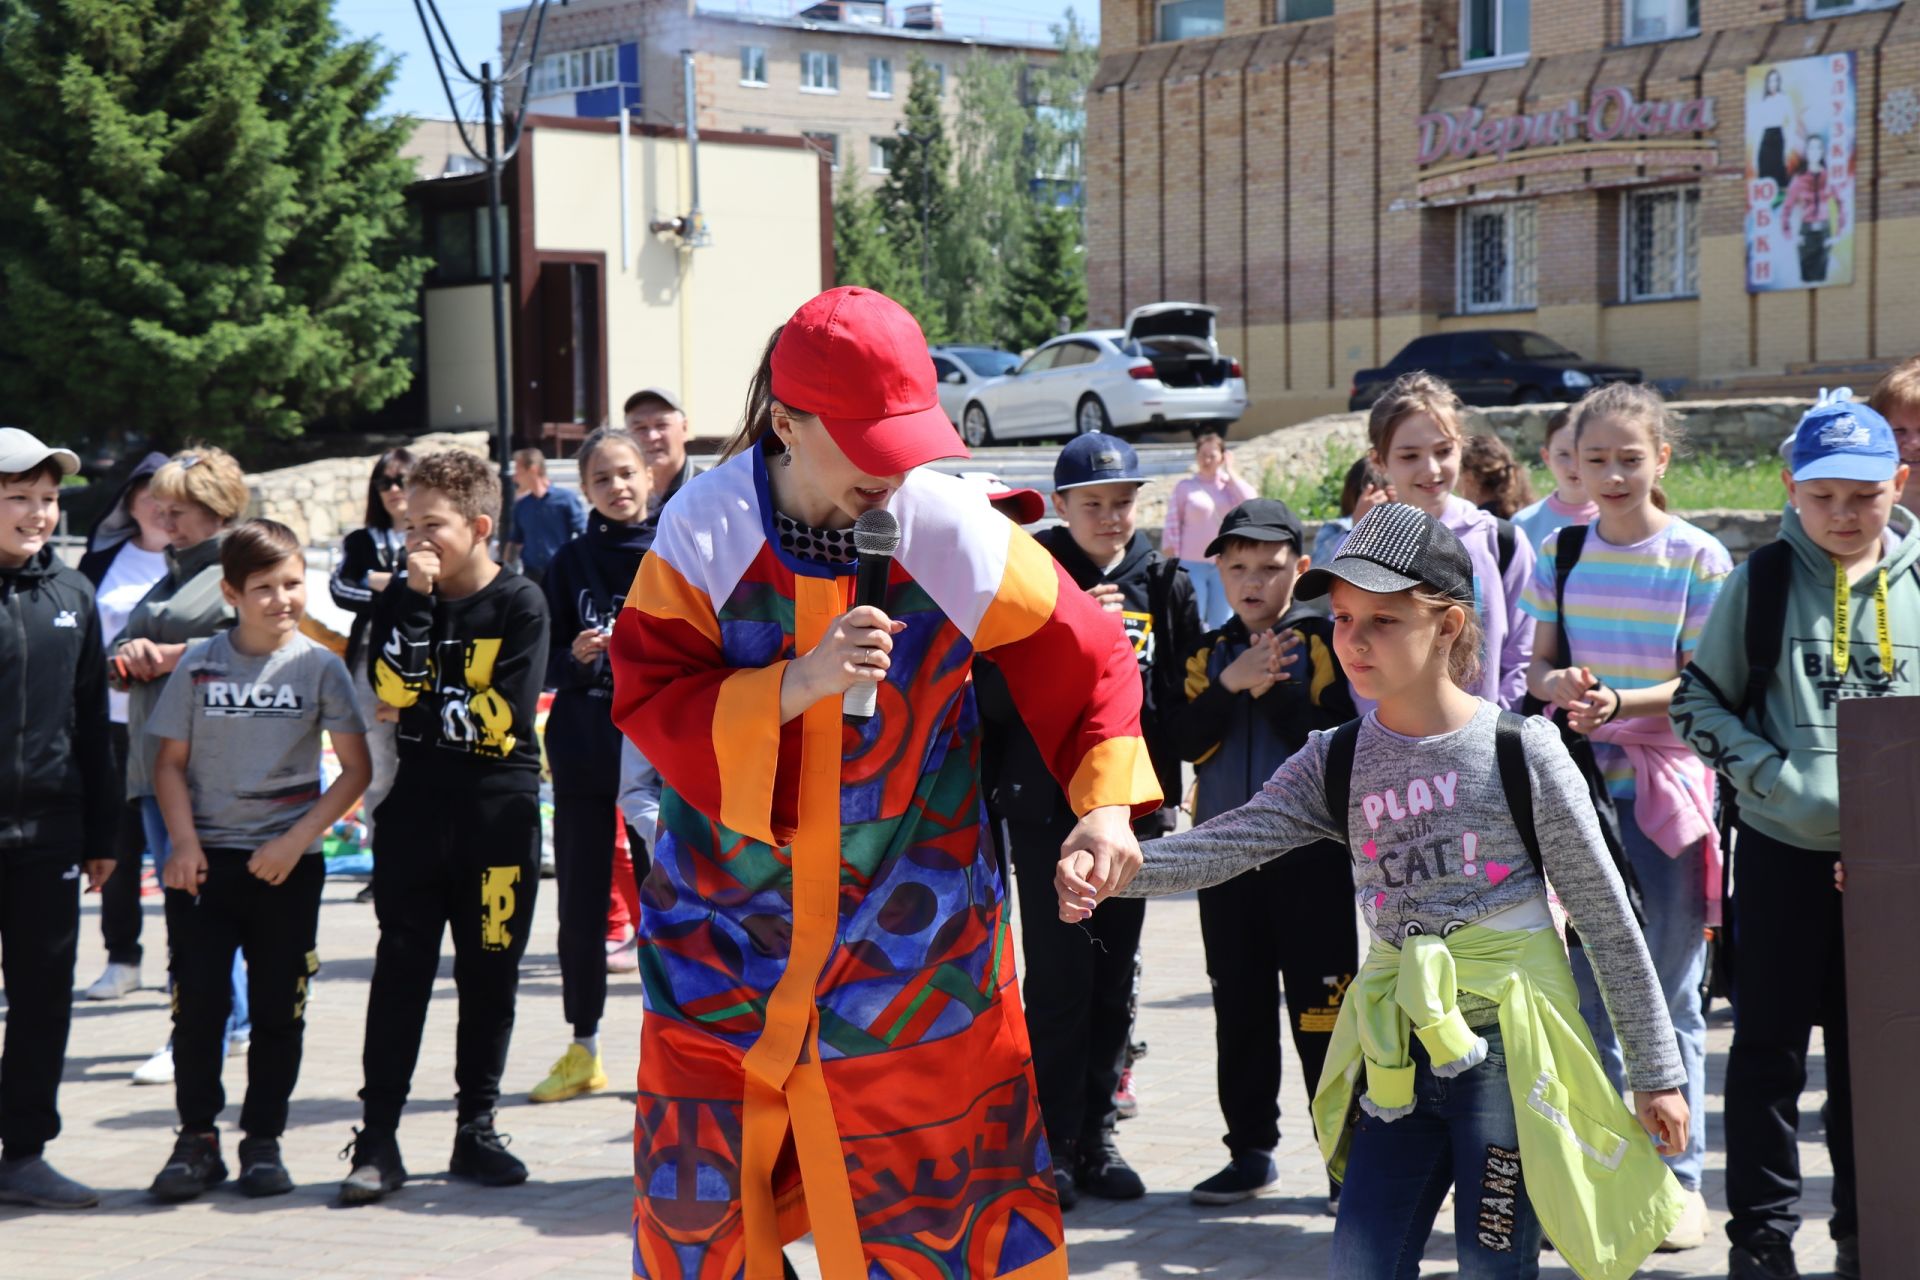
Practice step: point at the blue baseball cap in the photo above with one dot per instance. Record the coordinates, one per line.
(1096, 458)
(1843, 441)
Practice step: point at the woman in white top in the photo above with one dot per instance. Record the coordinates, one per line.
(126, 555)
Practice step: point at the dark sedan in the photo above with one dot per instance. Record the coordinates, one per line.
(1494, 367)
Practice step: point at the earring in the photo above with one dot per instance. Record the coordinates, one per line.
(786, 456)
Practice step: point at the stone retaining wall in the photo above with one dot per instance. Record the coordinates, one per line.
(1730, 428)
(322, 501)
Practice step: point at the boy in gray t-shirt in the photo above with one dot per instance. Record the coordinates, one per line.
(237, 777)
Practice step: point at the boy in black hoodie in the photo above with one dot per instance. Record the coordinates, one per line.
(460, 646)
(1255, 688)
(58, 812)
(1078, 982)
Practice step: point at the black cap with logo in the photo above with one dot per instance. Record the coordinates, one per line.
(1392, 548)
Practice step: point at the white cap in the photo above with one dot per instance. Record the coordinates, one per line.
(23, 451)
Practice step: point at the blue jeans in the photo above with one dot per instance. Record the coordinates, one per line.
(1208, 595)
(1674, 895)
(160, 845)
(1462, 1135)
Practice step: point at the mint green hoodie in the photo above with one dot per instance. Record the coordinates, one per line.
(1782, 756)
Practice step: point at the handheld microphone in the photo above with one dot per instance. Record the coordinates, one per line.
(876, 535)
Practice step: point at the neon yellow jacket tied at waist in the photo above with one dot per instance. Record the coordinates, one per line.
(1600, 1189)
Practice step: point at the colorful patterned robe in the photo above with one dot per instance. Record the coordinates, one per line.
(833, 1039)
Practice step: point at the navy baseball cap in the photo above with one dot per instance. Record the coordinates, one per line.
(1843, 442)
(1392, 548)
(1096, 458)
(1260, 520)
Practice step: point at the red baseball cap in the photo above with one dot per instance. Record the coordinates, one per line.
(858, 361)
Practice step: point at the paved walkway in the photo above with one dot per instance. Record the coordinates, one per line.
(571, 1218)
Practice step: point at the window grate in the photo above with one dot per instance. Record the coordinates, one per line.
(1663, 244)
(1498, 255)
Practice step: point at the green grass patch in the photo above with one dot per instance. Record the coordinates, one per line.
(1692, 484)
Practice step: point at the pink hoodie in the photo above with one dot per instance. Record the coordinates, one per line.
(1673, 793)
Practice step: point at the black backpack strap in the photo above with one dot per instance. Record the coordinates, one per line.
(1505, 536)
(1568, 545)
(1510, 752)
(1337, 778)
(1769, 574)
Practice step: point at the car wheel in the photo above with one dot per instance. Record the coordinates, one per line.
(1529, 395)
(1090, 417)
(974, 428)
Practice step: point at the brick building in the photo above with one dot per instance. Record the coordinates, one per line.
(836, 74)
(1640, 179)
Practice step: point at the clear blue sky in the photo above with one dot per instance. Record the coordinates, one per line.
(475, 26)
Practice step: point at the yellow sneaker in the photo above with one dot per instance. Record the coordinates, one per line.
(576, 1073)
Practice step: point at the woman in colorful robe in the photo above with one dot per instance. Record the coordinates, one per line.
(833, 1038)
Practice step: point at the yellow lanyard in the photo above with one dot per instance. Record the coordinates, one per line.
(1842, 620)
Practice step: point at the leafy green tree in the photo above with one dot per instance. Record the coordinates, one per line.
(865, 253)
(203, 228)
(915, 199)
(1047, 287)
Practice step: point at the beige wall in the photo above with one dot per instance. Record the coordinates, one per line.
(460, 392)
(664, 27)
(693, 320)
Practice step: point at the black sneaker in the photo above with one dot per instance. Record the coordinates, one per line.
(1246, 1176)
(1066, 1157)
(1846, 1257)
(1104, 1172)
(1766, 1255)
(196, 1166)
(480, 1153)
(376, 1167)
(261, 1172)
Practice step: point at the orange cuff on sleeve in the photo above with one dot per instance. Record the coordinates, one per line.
(746, 740)
(1116, 771)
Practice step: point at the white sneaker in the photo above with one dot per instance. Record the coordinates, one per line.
(625, 958)
(117, 981)
(237, 1047)
(1691, 1231)
(156, 1070)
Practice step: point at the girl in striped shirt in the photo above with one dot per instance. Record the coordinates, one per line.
(1639, 592)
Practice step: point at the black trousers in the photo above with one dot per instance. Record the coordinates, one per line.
(583, 827)
(120, 916)
(583, 750)
(1789, 976)
(276, 927)
(1078, 986)
(1288, 925)
(39, 937)
(469, 860)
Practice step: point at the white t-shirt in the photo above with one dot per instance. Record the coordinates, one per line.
(129, 578)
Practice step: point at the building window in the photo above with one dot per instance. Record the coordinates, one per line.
(880, 155)
(1497, 254)
(1493, 30)
(940, 74)
(1191, 19)
(827, 144)
(1662, 253)
(879, 77)
(753, 128)
(1662, 19)
(753, 65)
(1831, 8)
(820, 72)
(1301, 10)
(577, 69)
(462, 251)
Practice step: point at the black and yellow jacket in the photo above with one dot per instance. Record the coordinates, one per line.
(466, 676)
(1236, 740)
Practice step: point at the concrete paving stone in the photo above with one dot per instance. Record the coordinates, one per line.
(572, 1218)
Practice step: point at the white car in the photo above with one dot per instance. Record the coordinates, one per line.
(961, 369)
(1163, 370)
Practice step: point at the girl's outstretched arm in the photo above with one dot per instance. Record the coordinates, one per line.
(1289, 811)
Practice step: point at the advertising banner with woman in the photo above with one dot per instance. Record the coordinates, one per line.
(1800, 166)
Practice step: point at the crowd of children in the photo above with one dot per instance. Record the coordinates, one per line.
(1528, 890)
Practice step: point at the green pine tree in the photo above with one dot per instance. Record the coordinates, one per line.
(1047, 287)
(203, 228)
(915, 199)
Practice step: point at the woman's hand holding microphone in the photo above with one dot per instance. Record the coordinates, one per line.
(857, 649)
